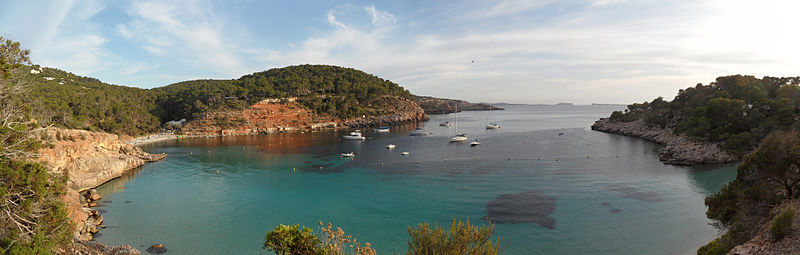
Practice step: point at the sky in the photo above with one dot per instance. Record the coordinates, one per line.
(537, 51)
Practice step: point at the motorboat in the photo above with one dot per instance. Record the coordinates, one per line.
(405, 153)
(355, 135)
(459, 138)
(384, 129)
(474, 143)
(492, 125)
(347, 155)
(390, 146)
(444, 124)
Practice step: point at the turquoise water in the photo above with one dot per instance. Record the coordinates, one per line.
(611, 194)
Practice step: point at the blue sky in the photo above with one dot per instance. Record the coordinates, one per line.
(538, 51)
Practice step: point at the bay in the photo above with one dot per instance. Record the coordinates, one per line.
(559, 187)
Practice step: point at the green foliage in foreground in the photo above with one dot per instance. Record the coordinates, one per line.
(719, 246)
(460, 238)
(738, 111)
(782, 224)
(766, 178)
(292, 240)
(36, 220)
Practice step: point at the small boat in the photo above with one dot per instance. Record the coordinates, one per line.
(383, 129)
(418, 132)
(562, 133)
(474, 143)
(347, 155)
(405, 153)
(444, 124)
(492, 126)
(459, 138)
(390, 146)
(355, 135)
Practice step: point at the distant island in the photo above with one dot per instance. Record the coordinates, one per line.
(433, 105)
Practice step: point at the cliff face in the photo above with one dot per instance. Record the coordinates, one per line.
(270, 117)
(91, 158)
(678, 150)
(433, 105)
(762, 243)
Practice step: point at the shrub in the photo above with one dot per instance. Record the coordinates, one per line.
(36, 220)
(462, 238)
(302, 241)
(782, 224)
(719, 246)
(292, 240)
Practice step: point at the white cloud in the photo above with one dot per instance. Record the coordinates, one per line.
(187, 30)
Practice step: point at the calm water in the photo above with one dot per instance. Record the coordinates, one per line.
(583, 192)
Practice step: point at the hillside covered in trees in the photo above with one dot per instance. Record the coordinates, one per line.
(67, 100)
(735, 111)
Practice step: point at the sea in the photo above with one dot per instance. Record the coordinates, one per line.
(548, 183)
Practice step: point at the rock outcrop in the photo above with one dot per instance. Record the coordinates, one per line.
(90, 158)
(762, 243)
(271, 117)
(94, 248)
(679, 149)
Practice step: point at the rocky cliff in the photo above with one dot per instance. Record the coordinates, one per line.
(763, 244)
(678, 149)
(433, 105)
(90, 158)
(270, 117)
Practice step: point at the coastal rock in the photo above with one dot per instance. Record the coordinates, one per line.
(269, 116)
(762, 243)
(679, 149)
(157, 249)
(90, 158)
(93, 248)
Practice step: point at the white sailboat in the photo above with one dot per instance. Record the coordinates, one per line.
(459, 137)
(490, 125)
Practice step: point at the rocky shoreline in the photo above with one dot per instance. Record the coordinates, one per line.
(269, 117)
(679, 149)
(89, 159)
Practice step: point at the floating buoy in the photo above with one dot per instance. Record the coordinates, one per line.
(417, 161)
(242, 147)
(320, 167)
(381, 163)
(190, 153)
(294, 169)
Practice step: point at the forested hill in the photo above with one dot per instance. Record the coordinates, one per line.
(67, 100)
(737, 111)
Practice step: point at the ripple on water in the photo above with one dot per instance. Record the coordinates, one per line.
(634, 192)
(523, 207)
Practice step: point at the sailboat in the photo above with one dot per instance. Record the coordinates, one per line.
(459, 137)
(490, 125)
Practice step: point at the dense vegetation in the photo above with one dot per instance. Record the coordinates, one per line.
(67, 100)
(737, 111)
(34, 218)
(338, 91)
(767, 178)
(461, 238)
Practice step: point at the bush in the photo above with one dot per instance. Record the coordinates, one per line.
(292, 240)
(462, 238)
(719, 246)
(302, 241)
(37, 221)
(782, 224)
